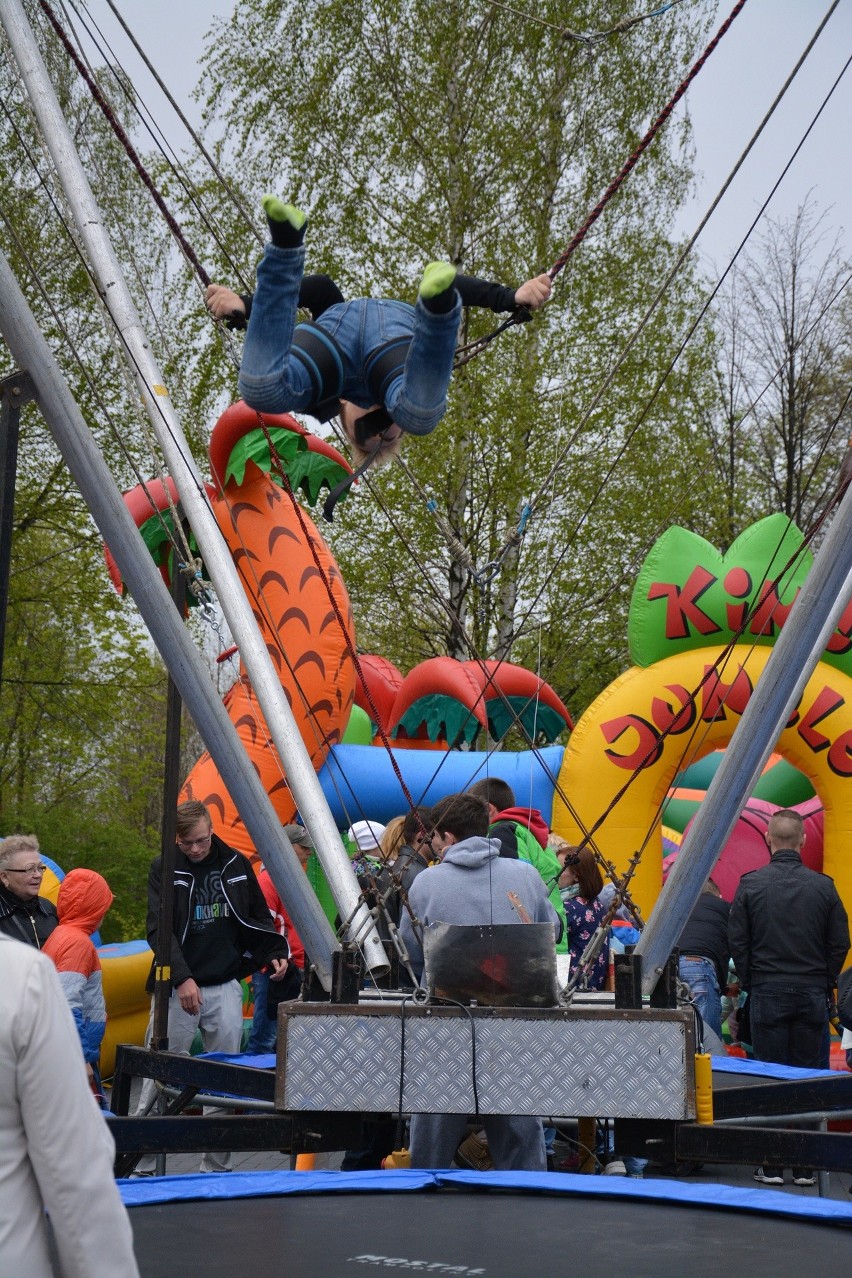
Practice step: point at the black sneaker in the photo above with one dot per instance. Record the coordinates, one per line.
(802, 1176)
(770, 1177)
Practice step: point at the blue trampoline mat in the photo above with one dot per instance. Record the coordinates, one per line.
(499, 1224)
(197, 1186)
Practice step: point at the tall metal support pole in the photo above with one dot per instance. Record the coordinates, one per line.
(90, 473)
(791, 663)
(15, 391)
(171, 788)
(115, 295)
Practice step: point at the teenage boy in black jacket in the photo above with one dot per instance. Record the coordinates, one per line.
(221, 931)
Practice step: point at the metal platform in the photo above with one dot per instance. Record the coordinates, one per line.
(584, 1061)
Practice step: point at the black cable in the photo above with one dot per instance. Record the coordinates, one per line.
(442, 998)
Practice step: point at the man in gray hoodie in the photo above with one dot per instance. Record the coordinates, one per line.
(470, 886)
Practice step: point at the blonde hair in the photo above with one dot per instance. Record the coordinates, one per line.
(392, 839)
(387, 449)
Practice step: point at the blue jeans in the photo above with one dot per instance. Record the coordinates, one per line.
(787, 1023)
(263, 1030)
(700, 976)
(273, 381)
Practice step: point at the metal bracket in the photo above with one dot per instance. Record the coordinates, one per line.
(664, 993)
(628, 980)
(346, 972)
(17, 389)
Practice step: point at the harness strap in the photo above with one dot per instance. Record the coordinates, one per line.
(325, 362)
(384, 364)
(345, 484)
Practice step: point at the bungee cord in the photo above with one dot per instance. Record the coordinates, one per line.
(460, 552)
(693, 327)
(227, 186)
(466, 353)
(633, 338)
(146, 119)
(132, 154)
(559, 263)
(492, 569)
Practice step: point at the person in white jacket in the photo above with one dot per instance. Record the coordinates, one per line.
(56, 1151)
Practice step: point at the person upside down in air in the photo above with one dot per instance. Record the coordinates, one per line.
(382, 366)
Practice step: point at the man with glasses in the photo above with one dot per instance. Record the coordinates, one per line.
(221, 931)
(24, 915)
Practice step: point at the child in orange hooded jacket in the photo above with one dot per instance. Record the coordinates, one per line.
(83, 901)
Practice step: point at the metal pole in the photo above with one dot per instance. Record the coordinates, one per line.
(15, 391)
(171, 788)
(791, 663)
(115, 294)
(90, 472)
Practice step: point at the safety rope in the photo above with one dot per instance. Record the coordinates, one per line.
(227, 187)
(490, 571)
(121, 134)
(467, 352)
(135, 102)
(310, 538)
(608, 379)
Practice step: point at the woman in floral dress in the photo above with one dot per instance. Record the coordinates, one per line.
(580, 883)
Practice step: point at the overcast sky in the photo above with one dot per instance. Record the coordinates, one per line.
(727, 101)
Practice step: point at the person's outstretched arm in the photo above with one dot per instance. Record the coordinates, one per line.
(497, 297)
(316, 294)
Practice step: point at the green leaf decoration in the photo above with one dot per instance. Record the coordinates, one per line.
(156, 534)
(539, 720)
(443, 717)
(307, 470)
(689, 595)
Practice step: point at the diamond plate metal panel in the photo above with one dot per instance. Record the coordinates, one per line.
(618, 1064)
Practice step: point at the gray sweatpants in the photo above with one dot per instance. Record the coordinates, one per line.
(221, 1024)
(516, 1143)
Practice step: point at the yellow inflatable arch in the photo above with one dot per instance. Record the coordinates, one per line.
(621, 732)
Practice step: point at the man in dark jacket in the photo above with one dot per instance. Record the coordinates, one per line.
(704, 954)
(221, 931)
(24, 915)
(789, 937)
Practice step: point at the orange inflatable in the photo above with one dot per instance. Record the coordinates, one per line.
(296, 591)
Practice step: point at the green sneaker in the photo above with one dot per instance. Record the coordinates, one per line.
(437, 278)
(286, 222)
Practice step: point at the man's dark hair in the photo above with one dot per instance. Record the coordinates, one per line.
(417, 820)
(464, 815)
(494, 790)
(785, 829)
(189, 814)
